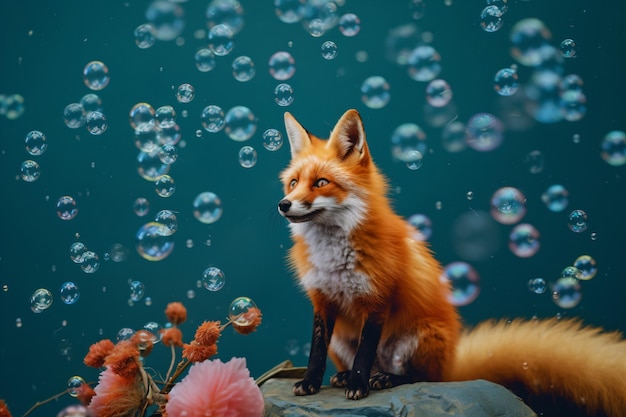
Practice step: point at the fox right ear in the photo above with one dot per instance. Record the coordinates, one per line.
(297, 135)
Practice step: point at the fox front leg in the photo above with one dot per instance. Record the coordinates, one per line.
(358, 382)
(322, 330)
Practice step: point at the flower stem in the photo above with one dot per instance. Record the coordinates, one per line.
(180, 368)
(169, 371)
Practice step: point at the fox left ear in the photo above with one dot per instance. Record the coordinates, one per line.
(298, 136)
(348, 136)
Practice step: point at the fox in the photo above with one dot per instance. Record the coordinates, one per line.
(381, 309)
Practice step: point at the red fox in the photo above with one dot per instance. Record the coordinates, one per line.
(381, 310)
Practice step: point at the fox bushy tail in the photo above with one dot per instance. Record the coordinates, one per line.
(544, 360)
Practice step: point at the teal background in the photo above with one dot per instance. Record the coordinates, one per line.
(249, 242)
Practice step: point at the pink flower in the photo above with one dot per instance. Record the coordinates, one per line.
(216, 389)
(116, 396)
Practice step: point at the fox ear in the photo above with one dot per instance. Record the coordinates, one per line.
(297, 135)
(348, 136)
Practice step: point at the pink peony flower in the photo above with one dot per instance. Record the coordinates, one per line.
(116, 396)
(216, 389)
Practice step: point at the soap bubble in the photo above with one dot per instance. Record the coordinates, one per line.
(35, 143)
(69, 292)
(73, 115)
(573, 105)
(464, 283)
(240, 123)
(530, 39)
(220, 40)
(137, 290)
(438, 93)
(205, 60)
(13, 106)
(566, 292)
(168, 154)
(556, 198)
(213, 118)
(237, 312)
(491, 19)
(247, 156)
(501, 4)
(524, 240)
(165, 117)
(141, 113)
(534, 162)
(349, 25)
(375, 92)
(40, 300)
(577, 221)
(537, 285)
(96, 75)
(484, 132)
(316, 27)
(91, 102)
(207, 207)
(74, 387)
(185, 93)
(453, 136)
(290, 11)
(572, 82)
(282, 66)
(506, 82)
(614, 148)
(329, 50)
(152, 244)
(66, 208)
(118, 252)
(405, 139)
(272, 140)
(90, 263)
(213, 278)
(423, 63)
(568, 48)
(153, 328)
(144, 36)
(30, 171)
(168, 219)
(167, 18)
(243, 68)
(227, 12)
(141, 206)
(283, 94)
(77, 250)
(165, 186)
(423, 226)
(96, 123)
(508, 205)
(150, 166)
(587, 267)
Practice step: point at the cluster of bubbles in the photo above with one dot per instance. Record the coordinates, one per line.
(88, 260)
(36, 144)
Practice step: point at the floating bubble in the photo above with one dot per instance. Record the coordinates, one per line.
(221, 40)
(329, 50)
(423, 226)
(141, 206)
(165, 117)
(534, 162)
(150, 166)
(96, 75)
(464, 283)
(35, 143)
(185, 93)
(144, 36)
(240, 123)
(438, 93)
(74, 385)
(169, 221)
(118, 252)
(13, 106)
(125, 333)
(207, 207)
(141, 113)
(453, 136)
(572, 82)
(77, 250)
(282, 65)
(73, 115)
(66, 208)
(524, 240)
(167, 18)
(30, 171)
(91, 102)
(566, 292)
(571, 272)
(423, 63)
(568, 48)
(152, 244)
(587, 267)
(213, 278)
(137, 290)
(283, 94)
(375, 92)
(501, 4)
(272, 140)
(247, 156)
(414, 160)
(165, 186)
(96, 123)
(491, 19)
(506, 82)
(614, 148)
(577, 221)
(40, 300)
(405, 139)
(69, 292)
(168, 154)
(243, 68)
(154, 330)
(239, 311)
(316, 27)
(417, 9)
(90, 263)
(205, 60)
(530, 42)
(537, 285)
(556, 198)
(573, 105)
(212, 119)
(484, 132)
(349, 25)
(508, 205)
(290, 11)
(227, 12)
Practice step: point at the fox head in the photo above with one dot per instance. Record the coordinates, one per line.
(329, 182)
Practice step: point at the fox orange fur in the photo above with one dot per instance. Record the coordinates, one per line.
(381, 309)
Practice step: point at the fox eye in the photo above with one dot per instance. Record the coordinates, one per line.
(293, 183)
(321, 182)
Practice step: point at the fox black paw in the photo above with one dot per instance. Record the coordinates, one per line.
(305, 387)
(358, 386)
(340, 379)
(381, 380)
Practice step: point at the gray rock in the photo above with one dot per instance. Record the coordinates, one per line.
(472, 399)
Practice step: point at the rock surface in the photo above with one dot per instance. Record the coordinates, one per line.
(471, 399)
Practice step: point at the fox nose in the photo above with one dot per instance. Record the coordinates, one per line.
(283, 205)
